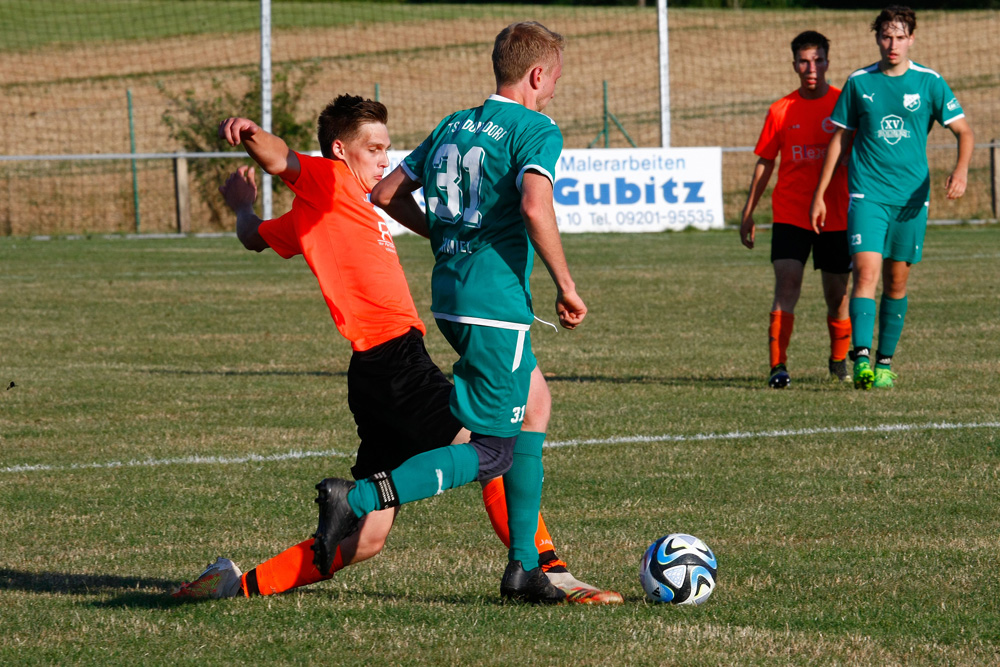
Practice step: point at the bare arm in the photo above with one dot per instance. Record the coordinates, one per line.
(839, 143)
(394, 195)
(958, 180)
(267, 150)
(540, 220)
(761, 175)
(240, 192)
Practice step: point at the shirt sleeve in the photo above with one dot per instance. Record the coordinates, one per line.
(769, 142)
(540, 152)
(845, 113)
(946, 106)
(281, 234)
(315, 183)
(415, 163)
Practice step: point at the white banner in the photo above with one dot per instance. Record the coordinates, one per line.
(628, 189)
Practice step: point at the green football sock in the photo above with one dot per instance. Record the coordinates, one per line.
(862, 322)
(420, 477)
(523, 487)
(891, 317)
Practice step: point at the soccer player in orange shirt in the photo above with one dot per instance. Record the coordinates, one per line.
(399, 397)
(798, 128)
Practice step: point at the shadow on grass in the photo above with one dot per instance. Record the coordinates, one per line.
(808, 383)
(170, 371)
(132, 591)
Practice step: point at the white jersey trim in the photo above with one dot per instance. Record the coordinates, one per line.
(952, 120)
(409, 172)
(864, 70)
(481, 321)
(519, 352)
(535, 167)
(921, 68)
(838, 124)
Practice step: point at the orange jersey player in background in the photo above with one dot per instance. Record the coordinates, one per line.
(798, 128)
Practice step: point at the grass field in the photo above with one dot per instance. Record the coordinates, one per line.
(176, 400)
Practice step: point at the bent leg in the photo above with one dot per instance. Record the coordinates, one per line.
(837, 313)
(294, 566)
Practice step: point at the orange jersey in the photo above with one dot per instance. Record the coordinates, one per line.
(350, 250)
(800, 130)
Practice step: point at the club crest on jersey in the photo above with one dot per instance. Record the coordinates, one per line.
(386, 237)
(828, 126)
(911, 102)
(893, 129)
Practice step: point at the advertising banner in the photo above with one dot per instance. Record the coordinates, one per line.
(629, 189)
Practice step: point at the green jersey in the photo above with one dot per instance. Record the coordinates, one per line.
(892, 116)
(471, 168)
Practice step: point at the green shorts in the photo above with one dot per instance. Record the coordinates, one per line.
(492, 376)
(895, 232)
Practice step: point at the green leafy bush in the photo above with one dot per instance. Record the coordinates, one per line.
(194, 123)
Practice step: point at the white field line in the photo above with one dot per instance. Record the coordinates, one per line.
(698, 437)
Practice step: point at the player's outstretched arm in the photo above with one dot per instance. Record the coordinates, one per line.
(240, 192)
(267, 150)
(838, 143)
(540, 221)
(394, 195)
(959, 178)
(761, 175)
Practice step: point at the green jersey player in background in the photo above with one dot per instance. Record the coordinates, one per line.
(890, 107)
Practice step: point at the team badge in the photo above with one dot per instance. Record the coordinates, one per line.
(828, 126)
(893, 129)
(911, 102)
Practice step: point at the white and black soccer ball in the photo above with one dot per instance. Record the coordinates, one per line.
(679, 569)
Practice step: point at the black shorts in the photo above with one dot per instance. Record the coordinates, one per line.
(399, 398)
(830, 251)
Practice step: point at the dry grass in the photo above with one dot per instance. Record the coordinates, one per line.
(726, 67)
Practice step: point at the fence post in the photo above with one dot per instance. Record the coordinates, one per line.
(182, 194)
(994, 175)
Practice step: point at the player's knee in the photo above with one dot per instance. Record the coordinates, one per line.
(496, 454)
(539, 408)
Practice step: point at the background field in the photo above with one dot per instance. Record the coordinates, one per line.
(66, 67)
(176, 400)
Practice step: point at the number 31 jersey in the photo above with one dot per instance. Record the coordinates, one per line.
(471, 168)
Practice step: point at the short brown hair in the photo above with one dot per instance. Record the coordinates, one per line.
(810, 39)
(521, 46)
(895, 14)
(342, 119)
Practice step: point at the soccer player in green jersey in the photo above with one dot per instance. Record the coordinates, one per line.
(488, 178)
(890, 107)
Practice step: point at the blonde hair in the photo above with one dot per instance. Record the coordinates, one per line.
(521, 46)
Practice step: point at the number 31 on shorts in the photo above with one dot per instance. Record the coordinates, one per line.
(518, 415)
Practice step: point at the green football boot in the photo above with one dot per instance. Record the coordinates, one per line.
(863, 375)
(884, 378)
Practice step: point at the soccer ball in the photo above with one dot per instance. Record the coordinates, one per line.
(679, 569)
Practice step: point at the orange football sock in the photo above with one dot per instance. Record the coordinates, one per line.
(290, 569)
(778, 334)
(496, 509)
(840, 337)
